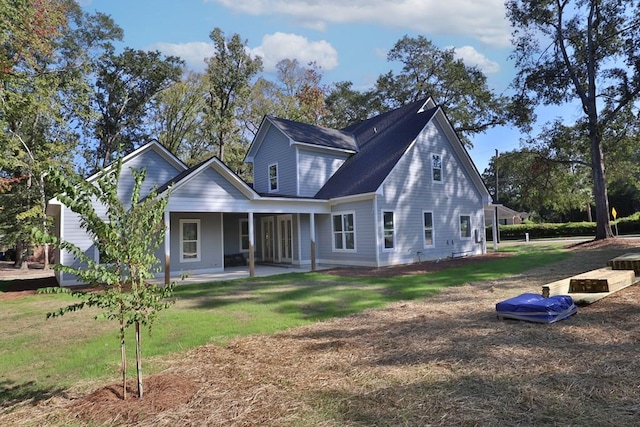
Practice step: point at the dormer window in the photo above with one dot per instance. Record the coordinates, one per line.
(273, 177)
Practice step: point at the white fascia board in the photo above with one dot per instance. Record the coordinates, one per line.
(463, 154)
(166, 154)
(354, 198)
(257, 140)
(288, 205)
(219, 167)
(322, 147)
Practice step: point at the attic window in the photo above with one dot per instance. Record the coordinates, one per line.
(436, 168)
(273, 177)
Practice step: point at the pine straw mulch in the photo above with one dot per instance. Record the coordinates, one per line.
(441, 361)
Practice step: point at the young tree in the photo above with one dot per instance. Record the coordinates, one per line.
(126, 236)
(583, 52)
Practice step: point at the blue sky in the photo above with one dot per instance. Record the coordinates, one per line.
(349, 39)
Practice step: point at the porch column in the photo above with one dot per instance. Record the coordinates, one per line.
(312, 233)
(167, 247)
(494, 229)
(252, 267)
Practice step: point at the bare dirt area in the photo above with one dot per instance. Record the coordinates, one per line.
(441, 361)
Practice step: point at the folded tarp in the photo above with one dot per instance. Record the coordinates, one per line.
(536, 308)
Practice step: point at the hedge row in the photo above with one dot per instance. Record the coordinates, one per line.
(570, 229)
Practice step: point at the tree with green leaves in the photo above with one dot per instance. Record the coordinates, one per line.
(346, 106)
(177, 119)
(427, 71)
(583, 53)
(46, 50)
(530, 181)
(126, 236)
(126, 83)
(229, 75)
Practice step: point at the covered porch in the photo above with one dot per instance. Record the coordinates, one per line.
(226, 245)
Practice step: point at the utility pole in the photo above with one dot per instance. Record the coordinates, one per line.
(495, 202)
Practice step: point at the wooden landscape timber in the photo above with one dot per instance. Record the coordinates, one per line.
(591, 286)
(630, 261)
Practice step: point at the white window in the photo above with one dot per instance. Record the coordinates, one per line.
(436, 168)
(273, 177)
(388, 226)
(465, 226)
(189, 240)
(427, 223)
(344, 232)
(244, 235)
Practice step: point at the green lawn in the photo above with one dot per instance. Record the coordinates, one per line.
(39, 356)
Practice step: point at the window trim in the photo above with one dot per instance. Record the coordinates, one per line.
(198, 240)
(441, 168)
(460, 227)
(393, 231)
(424, 229)
(342, 214)
(243, 221)
(277, 177)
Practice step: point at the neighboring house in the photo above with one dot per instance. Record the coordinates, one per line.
(506, 216)
(397, 188)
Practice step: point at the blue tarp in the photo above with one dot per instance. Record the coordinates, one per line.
(536, 308)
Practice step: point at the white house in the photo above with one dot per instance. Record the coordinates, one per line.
(394, 189)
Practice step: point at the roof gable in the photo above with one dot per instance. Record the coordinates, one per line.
(304, 133)
(151, 145)
(383, 140)
(187, 175)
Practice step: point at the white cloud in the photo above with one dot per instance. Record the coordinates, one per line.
(278, 46)
(484, 20)
(193, 53)
(472, 57)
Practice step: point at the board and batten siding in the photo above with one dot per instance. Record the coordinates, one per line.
(409, 191)
(211, 238)
(365, 239)
(315, 168)
(275, 149)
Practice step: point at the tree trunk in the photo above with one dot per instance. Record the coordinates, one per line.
(138, 360)
(43, 204)
(123, 356)
(21, 256)
(603, 225)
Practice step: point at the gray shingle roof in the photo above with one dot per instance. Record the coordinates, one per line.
(381, 141)
(316, 135)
